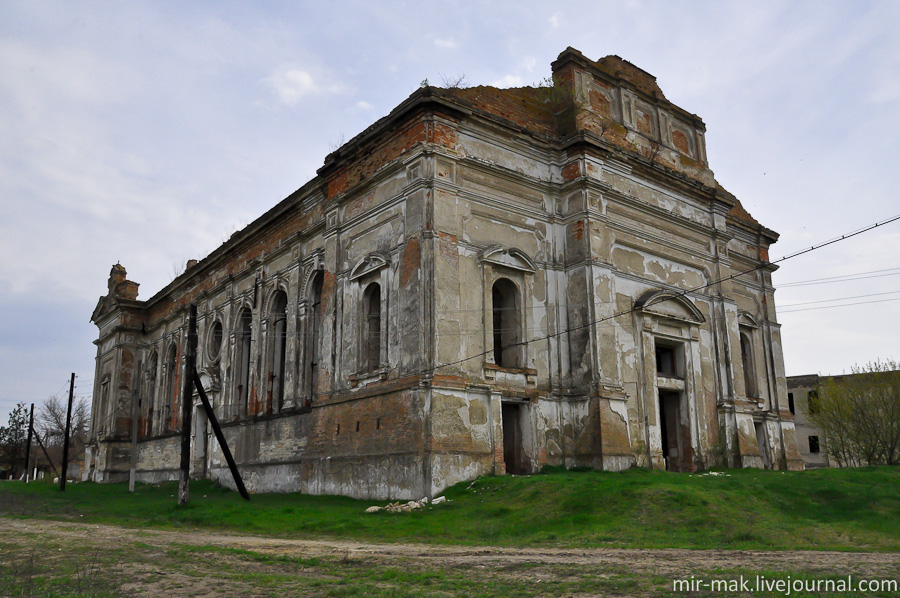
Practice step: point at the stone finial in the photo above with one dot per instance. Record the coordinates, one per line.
(116, 275)
(119, 285)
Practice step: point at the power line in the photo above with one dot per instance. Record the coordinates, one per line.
(840, 299)
(789, 311)
(835, 279)
(683, 293)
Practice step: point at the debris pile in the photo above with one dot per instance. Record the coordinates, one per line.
(399, 507)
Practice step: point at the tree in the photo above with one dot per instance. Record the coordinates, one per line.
(859, 414)
(13, 438)
(50, 421)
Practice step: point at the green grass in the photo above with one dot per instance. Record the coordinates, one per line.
(205, 570)
(42, 571)
(829, 509)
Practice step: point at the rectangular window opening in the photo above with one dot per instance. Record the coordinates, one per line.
(814, 444)
(812, 401)
(667, 363)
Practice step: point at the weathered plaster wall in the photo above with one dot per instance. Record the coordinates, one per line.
(591, 203)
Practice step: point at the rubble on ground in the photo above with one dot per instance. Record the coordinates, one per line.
(403, 507)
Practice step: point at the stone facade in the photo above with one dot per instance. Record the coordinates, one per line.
(810, 440)
(485, 281)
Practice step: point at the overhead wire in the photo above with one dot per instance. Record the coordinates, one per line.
(837, 299)
(677, 293)
(842, 278)
(789, 311)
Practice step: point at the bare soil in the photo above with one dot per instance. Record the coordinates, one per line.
(205, 575)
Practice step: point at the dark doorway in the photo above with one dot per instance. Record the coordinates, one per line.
(669, 416)
(513, 454)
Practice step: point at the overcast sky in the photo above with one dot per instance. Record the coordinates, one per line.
(146, 133)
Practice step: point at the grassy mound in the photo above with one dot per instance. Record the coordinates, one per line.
(855, 509)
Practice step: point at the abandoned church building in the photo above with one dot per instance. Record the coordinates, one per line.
(485, 281)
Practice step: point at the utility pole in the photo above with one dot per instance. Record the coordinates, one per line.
(192, 381)
(65, 463)
(28, 444)
(187, 400)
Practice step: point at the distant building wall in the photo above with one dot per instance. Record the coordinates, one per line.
(811, 441)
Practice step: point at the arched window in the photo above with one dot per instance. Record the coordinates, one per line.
(507, 323)
(275, 349)
(749, 369)
(105, 407)
(314, 328)
(147, 425)
(214, 341)
(242, 361)
(170, 410)
(371, 346)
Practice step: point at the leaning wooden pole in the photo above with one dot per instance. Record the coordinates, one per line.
(187, 399)
(65, 463)
(221, 438)
(28, 444)
(49, 460)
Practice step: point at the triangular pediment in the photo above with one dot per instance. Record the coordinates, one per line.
(370, 263)
(511, 257)
(101, 309)
(669, 304)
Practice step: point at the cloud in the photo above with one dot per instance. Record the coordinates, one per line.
(445, 43)
(293, 84)
(290, 86)
(554, 20)
(509, 81)
(364, 105)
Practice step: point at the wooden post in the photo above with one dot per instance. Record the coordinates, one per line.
(65, 463)
(49, 460)
(187, 399)
(28, 444)
(221, 438)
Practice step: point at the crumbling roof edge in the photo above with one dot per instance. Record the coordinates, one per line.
(738, 215)
(419, 98)
(573, 55)
(415, 101)
(236, 239)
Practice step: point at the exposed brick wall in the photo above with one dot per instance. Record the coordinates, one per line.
(411, 261)
(449, 249)
(369, 160)
(571, 171)
(528, 107)
(386, 423)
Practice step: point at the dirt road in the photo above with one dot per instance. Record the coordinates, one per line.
(144, 562)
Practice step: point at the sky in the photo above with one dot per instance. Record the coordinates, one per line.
(147, 133)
